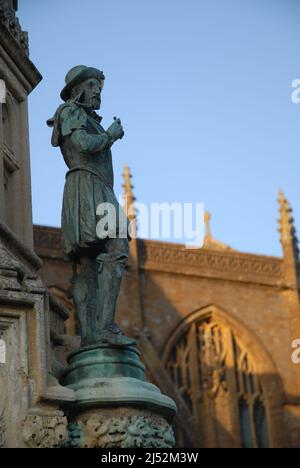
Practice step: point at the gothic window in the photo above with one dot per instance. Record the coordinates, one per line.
(220, 382)
(260, 421)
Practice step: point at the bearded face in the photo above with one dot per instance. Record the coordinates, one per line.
(88, 93)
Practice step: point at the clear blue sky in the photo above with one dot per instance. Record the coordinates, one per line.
(203, 88)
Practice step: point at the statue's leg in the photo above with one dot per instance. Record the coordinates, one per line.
(111, 267)
(84, 298)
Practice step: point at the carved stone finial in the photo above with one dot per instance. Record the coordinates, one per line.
(129, 198)
(209, 241)
(287, 228)
(207, 218)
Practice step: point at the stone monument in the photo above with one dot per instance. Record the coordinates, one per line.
(30, 395)
(115, 405)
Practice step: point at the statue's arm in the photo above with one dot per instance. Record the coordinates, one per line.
(73, 123)
(87, 143)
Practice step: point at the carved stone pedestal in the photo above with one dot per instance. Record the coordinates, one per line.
(115, 405)
(120, 427)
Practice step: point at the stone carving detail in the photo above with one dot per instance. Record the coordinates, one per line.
(2, 432)
(45, 431)
(121, 432)
(229, 262)
(9, 19)
(225, 378)
(232, 263)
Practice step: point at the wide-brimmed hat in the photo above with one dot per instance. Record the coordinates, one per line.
(77, 75)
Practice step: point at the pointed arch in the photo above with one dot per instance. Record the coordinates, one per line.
(228, 379)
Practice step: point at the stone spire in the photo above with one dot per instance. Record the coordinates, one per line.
(207, 219)
(129, 198)
(289, 241)
(287, 228)
(135, 316)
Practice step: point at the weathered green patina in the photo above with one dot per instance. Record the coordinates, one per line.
(99, 258)
(106, 376)
(115, 405)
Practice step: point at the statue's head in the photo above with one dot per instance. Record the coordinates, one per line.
(85, 85)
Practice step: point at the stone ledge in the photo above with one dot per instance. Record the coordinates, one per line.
(18, 248)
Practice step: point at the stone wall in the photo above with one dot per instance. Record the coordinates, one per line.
(246, 294)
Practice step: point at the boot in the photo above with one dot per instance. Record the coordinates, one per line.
(83, 294)
(110, 274)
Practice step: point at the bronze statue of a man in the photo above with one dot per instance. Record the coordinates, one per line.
(99, 262)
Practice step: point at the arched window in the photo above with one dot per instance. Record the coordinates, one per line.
(220, 382)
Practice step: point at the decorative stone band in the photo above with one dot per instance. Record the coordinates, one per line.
(120, 428)
(160, 256)
(207, 263)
